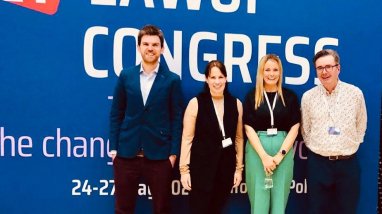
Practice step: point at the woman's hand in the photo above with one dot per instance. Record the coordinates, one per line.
(237, 177)
(186, 181)
(268, 164)
(278, 158)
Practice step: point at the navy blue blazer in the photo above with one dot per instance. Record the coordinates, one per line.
(155, 127)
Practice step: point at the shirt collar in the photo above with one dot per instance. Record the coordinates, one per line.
(335, 91)
(155, 70)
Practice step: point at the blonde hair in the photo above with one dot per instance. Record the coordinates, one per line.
(259, 93)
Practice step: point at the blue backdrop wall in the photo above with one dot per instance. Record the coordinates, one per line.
(59, 63)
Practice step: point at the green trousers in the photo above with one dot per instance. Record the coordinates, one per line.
(274, 200)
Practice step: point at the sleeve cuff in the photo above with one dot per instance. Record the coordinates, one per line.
(239, 168)
(184, 169)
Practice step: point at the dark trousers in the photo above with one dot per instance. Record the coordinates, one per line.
(333, 185)
(127, 174)
(212, 199)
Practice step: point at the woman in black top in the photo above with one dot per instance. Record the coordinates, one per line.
(211, 159)
(271, 121)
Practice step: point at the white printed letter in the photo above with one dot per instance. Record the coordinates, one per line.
(226, 8)
(303, 62)
(118, 47)
(174, 63)
(88, 51)
(263, 41)
(242, 62)
(193, 56)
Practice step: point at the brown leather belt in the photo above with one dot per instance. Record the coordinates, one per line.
(340, 157)
(333, 157)
(140, 154)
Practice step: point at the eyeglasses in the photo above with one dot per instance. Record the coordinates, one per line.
(328, 68)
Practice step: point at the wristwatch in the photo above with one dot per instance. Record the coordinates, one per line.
(283, 152)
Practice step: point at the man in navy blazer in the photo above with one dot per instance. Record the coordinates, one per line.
(145, 126)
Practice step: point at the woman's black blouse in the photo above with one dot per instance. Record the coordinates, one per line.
(284, 116)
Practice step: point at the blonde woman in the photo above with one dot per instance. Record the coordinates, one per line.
(271, 121)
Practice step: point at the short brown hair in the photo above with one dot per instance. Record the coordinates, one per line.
(151, 30)
(326, 52)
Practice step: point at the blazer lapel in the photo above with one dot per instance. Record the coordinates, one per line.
(136, 86)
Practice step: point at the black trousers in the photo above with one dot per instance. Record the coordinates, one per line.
(333, 185)
(211, 197)
(127, 174)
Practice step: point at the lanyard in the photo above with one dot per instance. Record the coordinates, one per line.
(327, 105)
(221, 125)
(269, 107)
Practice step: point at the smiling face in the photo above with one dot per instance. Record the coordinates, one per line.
(271, 75)
(216, 81)
(150, 49)
(328, 71)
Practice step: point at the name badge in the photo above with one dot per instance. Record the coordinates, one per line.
(272, 131)
(226, 142)
(334, 131)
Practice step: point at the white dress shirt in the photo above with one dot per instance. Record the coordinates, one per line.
(147, 80)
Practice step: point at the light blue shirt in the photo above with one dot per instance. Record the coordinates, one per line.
(147, 81)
